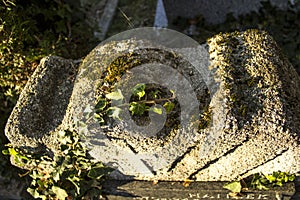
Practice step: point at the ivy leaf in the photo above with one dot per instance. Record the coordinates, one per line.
(98, 172)
(34, 193)
(157, 110)
(259, 182)
(235, 186)
(18, 158)
(173, 92)
(278, 178)
(116, 95)
(99, 118)
(5, 152)
(137, 108)
(75, 181)
(139, 90)
(70, 181)
(271, 178)
(56, 176)
(291, 177)
(261, 187)
(155, 93)
(114, 112)
(61, 194)
(12, 152)
(101, 104)
(169, 106)
(279, 183)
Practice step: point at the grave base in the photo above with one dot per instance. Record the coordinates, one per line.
(115, 189)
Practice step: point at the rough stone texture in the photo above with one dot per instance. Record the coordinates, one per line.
(42, 105)
(114, 142)
(253, 124)
(215, 11)
(255, 109)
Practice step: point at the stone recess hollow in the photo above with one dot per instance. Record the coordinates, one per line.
(237, 108)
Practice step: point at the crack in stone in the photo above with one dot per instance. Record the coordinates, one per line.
(174, 164)
(280, 154)
(192, 176)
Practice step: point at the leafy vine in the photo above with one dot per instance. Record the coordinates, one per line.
(69, 174)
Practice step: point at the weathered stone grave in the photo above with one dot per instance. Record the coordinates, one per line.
(213, 11)
(235, 109)
(97, 15)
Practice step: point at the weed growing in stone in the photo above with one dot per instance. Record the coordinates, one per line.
(145, 98)
(260, 181)
(263, 182)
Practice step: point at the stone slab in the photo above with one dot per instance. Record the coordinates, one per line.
(252, 103)
(97, 14)
(215, 11)
(142, 190)
(105, 20)
(42, 105)
(238, 98)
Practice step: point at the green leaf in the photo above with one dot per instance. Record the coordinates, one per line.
(98, 172)
(56, 176)
(173, 92)
(34, 193)
(61, 194)
(137, 108)
(114, 112)
(5, 152)
(34, 175)
(101, 104)
(259, 181)
(83, 163)
(157, 110)
(235, 186)
(139, 90)
(99, 118)
(75, 181)
(271, 178)
(261, 187)
(169, 106)
(155, 93)
(291, 177)
(66, 140)
(12, 152)
(286, 178)
(116, 95)
(18, 158)
(78, 152)
(279, 183)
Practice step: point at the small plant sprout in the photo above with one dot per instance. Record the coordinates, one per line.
(260, 182)
(234, 186)
(148, 99)
(139, 90)
(116, 95)
(264, 181)
(144, 98)
(138, 108)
